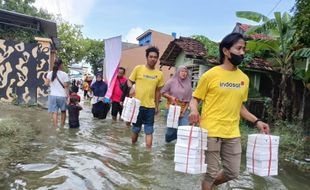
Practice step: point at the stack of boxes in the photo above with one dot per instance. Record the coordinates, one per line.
(131, 108)
(262, 154)
(189, 154)
(173, 116)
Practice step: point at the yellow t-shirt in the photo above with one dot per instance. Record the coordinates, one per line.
(223, 93)
(146, 81)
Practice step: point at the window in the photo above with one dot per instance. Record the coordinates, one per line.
(194, 72)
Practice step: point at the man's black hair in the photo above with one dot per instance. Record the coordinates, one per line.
(227, 42)
(151, 49)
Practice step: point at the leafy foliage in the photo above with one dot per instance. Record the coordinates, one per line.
(71, 48)
(282, 46)
(302, 21)
(95, 52)
(302, 74)
(211, 47)
(24, 7)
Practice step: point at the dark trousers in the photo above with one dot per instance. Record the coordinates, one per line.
(75, 124)
(100, 110)
(116, 108)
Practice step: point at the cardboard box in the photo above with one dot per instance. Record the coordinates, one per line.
(263, 172)
(190, 169)
(173, 116)
(131, 108)
(192, 159)
(262, 150)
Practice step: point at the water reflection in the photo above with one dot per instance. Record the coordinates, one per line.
(99, 155)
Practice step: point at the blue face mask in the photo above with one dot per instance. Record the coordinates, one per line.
(235, 59)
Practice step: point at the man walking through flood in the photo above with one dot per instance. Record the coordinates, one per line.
(222, 90)
(148, 82)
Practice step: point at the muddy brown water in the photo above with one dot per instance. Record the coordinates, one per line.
(99, 155)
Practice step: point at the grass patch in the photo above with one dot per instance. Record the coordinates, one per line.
(292, 142)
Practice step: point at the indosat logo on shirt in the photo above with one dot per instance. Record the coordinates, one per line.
(149, 77)
(231, 85)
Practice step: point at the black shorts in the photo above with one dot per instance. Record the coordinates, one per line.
(116, 108)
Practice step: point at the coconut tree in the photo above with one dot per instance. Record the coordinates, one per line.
(282, 46)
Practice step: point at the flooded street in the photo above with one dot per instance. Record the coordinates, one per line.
(99, 155)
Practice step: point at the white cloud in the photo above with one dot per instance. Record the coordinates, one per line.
(132, 34)
(73, 11)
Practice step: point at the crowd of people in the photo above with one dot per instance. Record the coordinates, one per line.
(222, 105)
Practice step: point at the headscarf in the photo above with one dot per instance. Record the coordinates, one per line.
(99, 88)
(179, 88)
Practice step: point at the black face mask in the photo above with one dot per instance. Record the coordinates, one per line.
(235, 59)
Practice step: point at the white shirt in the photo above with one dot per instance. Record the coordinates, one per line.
(55, 86)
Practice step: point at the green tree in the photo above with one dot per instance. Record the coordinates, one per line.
(94, 53)
(302, 21)
(72, 48)
(283, 47)
(24, 7)
(211, 47)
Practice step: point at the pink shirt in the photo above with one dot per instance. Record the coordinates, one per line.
(117, 91)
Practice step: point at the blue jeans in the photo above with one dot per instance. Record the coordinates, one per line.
(146, 117)
(57, 102)
(172, 133)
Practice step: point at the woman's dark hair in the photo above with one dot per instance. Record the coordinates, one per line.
(151, 49)
(57, 63)
(122, 68)
(227, 42)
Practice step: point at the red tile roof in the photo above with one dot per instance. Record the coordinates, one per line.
(258, 63)
(243, 28)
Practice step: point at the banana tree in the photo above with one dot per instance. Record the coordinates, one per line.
(283, 48)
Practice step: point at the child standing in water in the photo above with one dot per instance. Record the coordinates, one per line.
(74, 112)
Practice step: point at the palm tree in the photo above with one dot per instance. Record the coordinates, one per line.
(283, 48)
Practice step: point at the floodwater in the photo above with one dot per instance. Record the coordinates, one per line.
(99, 155)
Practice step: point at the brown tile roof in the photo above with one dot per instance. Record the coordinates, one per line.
(257, 63)
(260, 64)
(243, 28)
(191, 47)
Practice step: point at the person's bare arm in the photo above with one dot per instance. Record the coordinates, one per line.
(170, 97)
(47, 82)
(129, 83)
(262, 126)
(194, 114)
(157, 98)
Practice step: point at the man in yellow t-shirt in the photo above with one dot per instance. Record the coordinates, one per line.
(148, 82)
(222, 90)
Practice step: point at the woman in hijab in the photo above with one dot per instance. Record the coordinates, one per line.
(178, 91)
(99, 89)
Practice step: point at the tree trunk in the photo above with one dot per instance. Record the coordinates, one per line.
(282, 96)
(303, 104)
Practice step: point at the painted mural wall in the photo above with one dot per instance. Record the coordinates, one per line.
(23, 68)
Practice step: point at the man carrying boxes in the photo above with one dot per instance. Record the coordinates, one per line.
(148, 82)
(222, 90)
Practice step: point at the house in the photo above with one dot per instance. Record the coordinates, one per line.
(24, 65)
(188, 52)
(192, 53)
(243, 28)
(133, 55)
